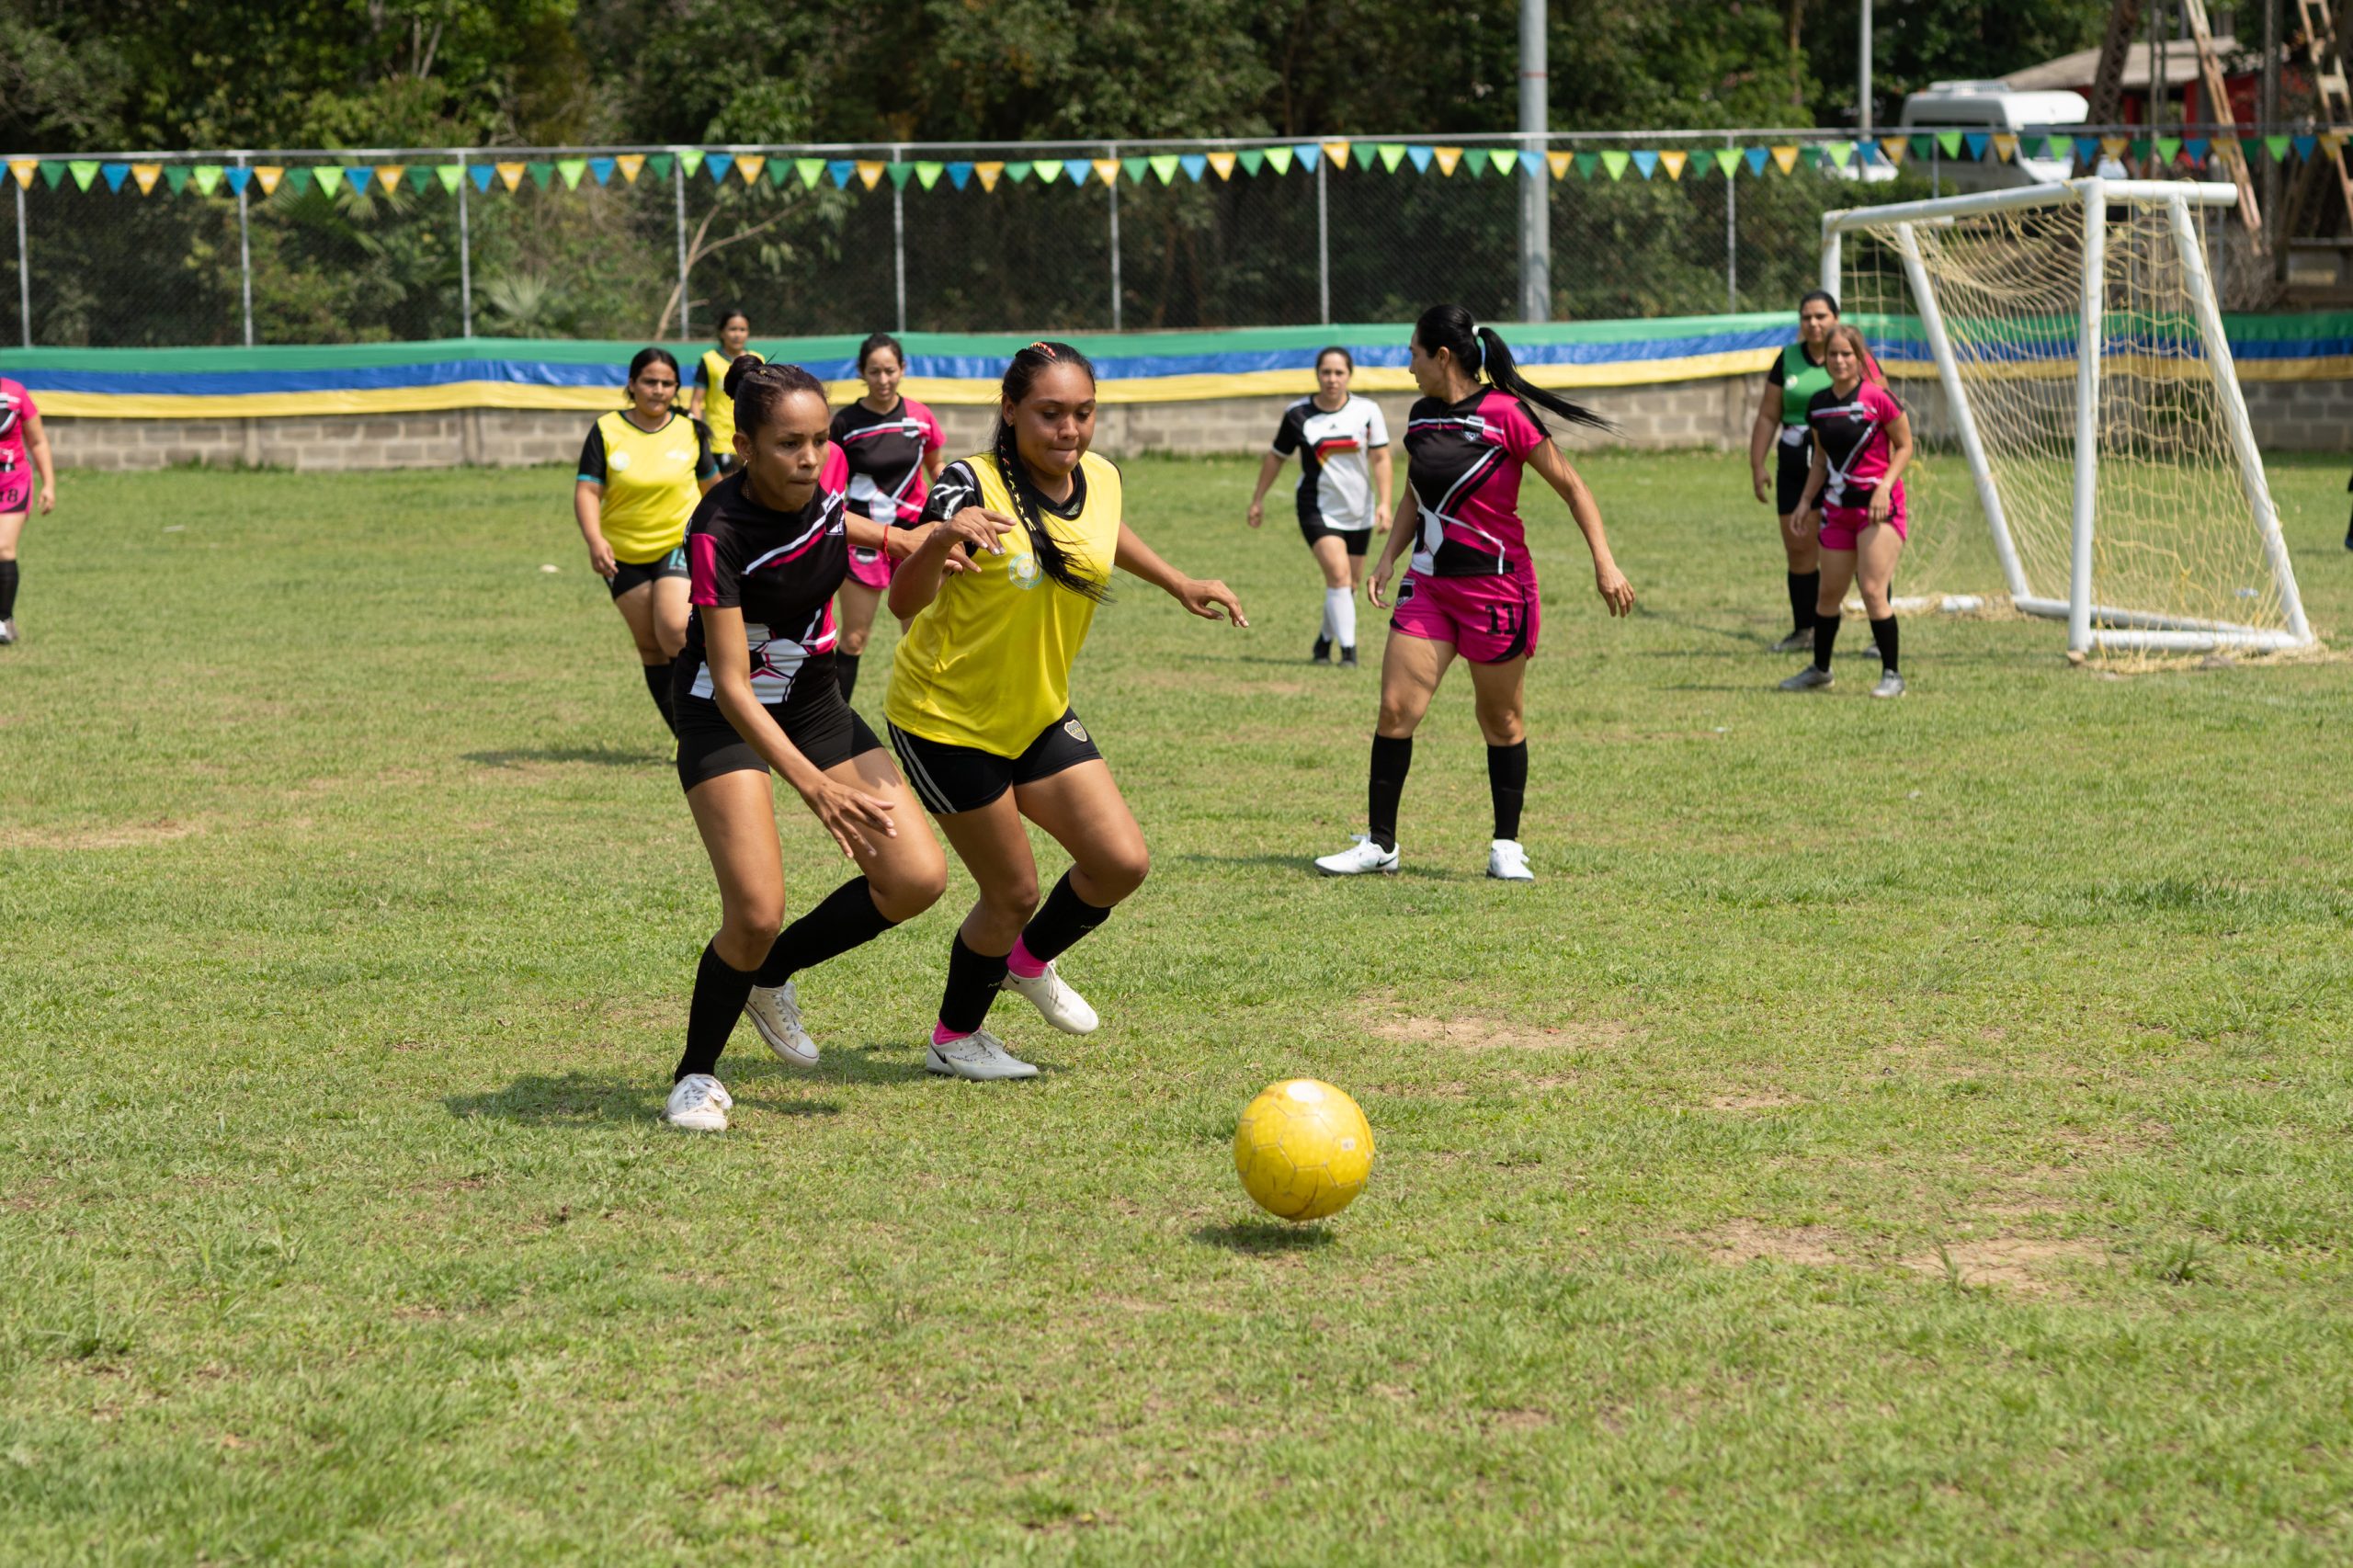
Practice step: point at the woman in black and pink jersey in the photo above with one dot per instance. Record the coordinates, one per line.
(892, 445)
(1472, 588)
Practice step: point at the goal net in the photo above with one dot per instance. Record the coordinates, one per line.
(2120, 488)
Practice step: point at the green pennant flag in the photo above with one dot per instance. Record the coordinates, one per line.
(85, 171)
(300, 178)
(329, 177)
(1252, 160)
(540, 172)
(2168, 147)
(51, 172)
(572, 169)
(1048, 170)
(449, 174)
(2275, 146)
(1839, 153)
(2139, 148)
(1728, 159)
(900, 174)
(1505, 159)
(1585, 163)
(1920, 146)
(927, 174)
(778, 171)
(811, 170)
(1017, 173)
(1697, 167)
(1165, 166)
(659, 163)
(692, 161)
(1615, 163)
(1392, 153)
(1949, 142)
(175, 176)
(1281, 158)
(208, 177)
(2051, 150)
(1136, 169)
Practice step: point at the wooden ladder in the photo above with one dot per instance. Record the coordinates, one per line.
(2219, 112)
(2319, 28)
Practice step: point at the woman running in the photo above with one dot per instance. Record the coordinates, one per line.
(1473, 586)
(710, 403)
(1016, 551)
(892, 444)
(755, 692)
(641, 469)
(1341, 505)
(1862, 444)
(1795, 377)
(22, 439)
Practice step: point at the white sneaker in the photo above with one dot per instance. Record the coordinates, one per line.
(698, 1103)
(1358, 858)
(1055, 1002)
(979, 1056)
(776, 1014)
(1507, 862)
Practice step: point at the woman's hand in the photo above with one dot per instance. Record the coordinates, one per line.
(1258, 514)
(600, 557)
(1614, 590)
(1757, 477)
(1206, 596)
(978, 526)
(1381, 516)
(854, 817)
(1880, 509)
(48, 498)
(1377, 585)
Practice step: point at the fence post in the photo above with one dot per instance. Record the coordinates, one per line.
(899, 237)
(1732, 236)
(1322, 245)
(465, 256)
(24, 272)
(1112, 185)
(678, 182)
(246, 256)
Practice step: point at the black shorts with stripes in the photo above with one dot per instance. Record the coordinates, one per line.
(948, 779)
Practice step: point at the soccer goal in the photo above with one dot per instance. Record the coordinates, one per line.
(2066, 339)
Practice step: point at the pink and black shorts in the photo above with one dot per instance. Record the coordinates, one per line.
(1841, 526)
(15, 492)
(871, 567)
(1488, 619)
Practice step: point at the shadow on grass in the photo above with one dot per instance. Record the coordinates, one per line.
(575, 1099)
(1263, 1236)
(594, 756)
(1303, 862)
(877, 1061)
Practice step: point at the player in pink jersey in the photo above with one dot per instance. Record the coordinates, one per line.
(893, 445)
(1862, 444)
(1471, 589)
(23, 444)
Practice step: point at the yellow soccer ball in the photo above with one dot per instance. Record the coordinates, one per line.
(1303, 1149)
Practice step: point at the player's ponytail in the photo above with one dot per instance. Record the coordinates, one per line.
(1479, 348)
(1029, 505)
(758, 388)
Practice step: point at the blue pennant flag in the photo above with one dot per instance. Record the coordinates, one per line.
(841, 169)
(116, 173)
(1977, 142)
(1309, 155)
(1421, 157)
(1530, 163)
(358, 180)
(959, 174)
(238, 180)
(602, 168)
(1756, 157)
(1078, 169)
(1646, 162)
(2087, 150)
(720, 164)
(1195, 165)
(482, 174)
(2303, 145)
(2197, 147)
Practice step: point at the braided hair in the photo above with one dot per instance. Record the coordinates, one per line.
(759, 389)
(1450, 327)
(1029, 503)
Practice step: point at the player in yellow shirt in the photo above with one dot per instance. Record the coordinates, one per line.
(1015, 551)
(641, 469)
(710, 402)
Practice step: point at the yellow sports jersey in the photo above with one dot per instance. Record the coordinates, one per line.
(650, 479)
(987, 662)
(717, 408)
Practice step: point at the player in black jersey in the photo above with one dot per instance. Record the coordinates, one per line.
(755, 690)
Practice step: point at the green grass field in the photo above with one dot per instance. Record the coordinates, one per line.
(1887, 1133)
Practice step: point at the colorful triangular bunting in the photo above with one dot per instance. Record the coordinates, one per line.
(449, 174)
(960, 173)
(1448, 159)
(1672, 160)
(177, 177)
(1223, 163)
(1615, 162)
(928, 172)
(1165, 164)
(629, 164)
(901, 172)
(1421, 157)
(206, 178)
(1786, 158)
(1195, 165)
(1308, 154)
(1281, 158)
(1338, 153)
(146, 174)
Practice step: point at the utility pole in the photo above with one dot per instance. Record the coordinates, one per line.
(1535, 189)
(1863, 73)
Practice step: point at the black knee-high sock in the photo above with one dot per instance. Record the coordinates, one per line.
(1507, 782)
(1059, 922)
(1825, 632)
(7, 590)
(1883, 633)
(1805, 588)
(846, 673)
(847, 919)
(1392, 759)
(720, 995)
(657, 683)
(972, 982)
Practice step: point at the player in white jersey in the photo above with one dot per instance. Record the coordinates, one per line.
(1343, 447)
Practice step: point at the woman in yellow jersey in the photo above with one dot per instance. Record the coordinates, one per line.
(711, 402)
(642, 470)
(1014, 552)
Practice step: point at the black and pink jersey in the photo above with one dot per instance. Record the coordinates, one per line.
(782, 569)
(1464, 460)
(886, 453)
(1853, 433)
(15, 404)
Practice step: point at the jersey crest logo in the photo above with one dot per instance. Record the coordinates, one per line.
(1074, 730)
(617, 460)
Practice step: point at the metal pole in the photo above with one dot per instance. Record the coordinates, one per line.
(1732, 240)
(1113, 187)
(2090, 334)
(899, 239)
(1323, 246)
(465, 257)
(1536, 194)
(678, 174)
(2268, 110)
(1936, 169)
(24, 272)
(2160, 71)
(246, 256)
(1863, 77)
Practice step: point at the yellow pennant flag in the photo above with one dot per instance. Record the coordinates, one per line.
(2006, 145)
(1786, 157)
(869, 171)
(389, 176)
(268, 176)
(1893, 149)
(146, 174)
(749, 166)
(989, 173)
(1672, 160)
(509, 174)
(1447, 158)
(2332, 142)
(1338, 153)
(23, 169)
(1108, 170)
(1559, 163)
(2113, 146)
(1223, 164)
(629, 164)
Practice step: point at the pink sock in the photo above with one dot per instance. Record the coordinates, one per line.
(941, 1034)
(1021, 962)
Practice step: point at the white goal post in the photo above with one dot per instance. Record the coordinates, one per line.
(2073, 333)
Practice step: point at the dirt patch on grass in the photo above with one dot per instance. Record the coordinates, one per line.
(1476, 1032)
(2025, 1264)
(1746, 1241)
(116, 835)
(1755, 1099)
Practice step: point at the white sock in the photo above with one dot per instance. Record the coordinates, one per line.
(1340, 616)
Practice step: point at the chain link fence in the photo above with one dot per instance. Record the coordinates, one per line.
(105, 268)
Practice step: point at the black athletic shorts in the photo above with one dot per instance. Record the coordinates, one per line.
(1353, 539)
(948, 779)
(628, 575)
(1789, 476)
(821, 726)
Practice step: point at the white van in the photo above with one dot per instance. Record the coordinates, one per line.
(1995, 107)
